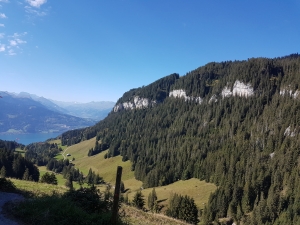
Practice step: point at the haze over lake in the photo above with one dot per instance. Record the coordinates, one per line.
(28, 138)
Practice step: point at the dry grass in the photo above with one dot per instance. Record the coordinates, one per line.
(38, 188)
(131, 215)
(136, 217)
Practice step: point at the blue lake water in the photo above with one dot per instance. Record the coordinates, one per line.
(28, 138)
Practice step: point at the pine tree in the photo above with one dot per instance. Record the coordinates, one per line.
(138, 200)
(26, 174)
(3, 172)
(49, 178)
(69, 182)
(152, 198)
(89, 178)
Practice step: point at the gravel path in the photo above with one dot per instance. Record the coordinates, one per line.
(6, 197)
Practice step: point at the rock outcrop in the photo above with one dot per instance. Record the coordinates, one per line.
(289, 132)
(182, 94)
(137, 103)
(289, 92)
(239, 89)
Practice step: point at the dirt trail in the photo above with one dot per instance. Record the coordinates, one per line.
(6, 197)
(63, 154)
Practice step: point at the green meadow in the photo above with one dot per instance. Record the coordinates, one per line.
(107, 168)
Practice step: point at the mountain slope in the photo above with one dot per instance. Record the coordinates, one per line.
(24, 115)
(232, 123)
(91, 110)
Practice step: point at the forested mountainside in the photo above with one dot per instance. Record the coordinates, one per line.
(233, 123)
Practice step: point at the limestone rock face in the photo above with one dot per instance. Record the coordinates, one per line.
(289, 132)
(226, 92)
(289, 92)
(138, 103)
(141, 102)
(182, 94)
(178, 94)
(239, 89)
(213, 99)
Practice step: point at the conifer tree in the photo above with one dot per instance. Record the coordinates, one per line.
(69, 182)
(26, 174)
(3, 172)
(49, 178)
(138, 200)
(152, 198)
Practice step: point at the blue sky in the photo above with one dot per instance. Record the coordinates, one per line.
(96, 50)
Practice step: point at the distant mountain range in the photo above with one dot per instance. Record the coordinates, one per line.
(28, 113)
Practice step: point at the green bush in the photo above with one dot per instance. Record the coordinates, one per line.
(49, 178)
(89, 199)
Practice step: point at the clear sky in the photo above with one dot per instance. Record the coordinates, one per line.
(98, 49)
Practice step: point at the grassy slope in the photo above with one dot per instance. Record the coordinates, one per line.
(129, 214)
(199, 190)
(138, 217)
(107, 168)
(38, 188)
(60, 179)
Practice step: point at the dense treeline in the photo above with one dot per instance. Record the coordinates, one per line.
(10, 145)
(157, 91)
(97, 149)
(183, 208)
(249, 147)
(43, 154)
(15, 165)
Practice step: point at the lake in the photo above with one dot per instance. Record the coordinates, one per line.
(28, 138)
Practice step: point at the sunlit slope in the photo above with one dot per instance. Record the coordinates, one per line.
(199, 190)
(107, 168)
(80, 150)
(38, 188)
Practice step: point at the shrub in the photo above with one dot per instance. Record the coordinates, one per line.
(89, 199)
(138, 200)
(49, 178)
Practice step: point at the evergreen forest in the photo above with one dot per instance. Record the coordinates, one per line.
(13, 164)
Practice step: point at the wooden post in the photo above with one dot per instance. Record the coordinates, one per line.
(114, 216)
